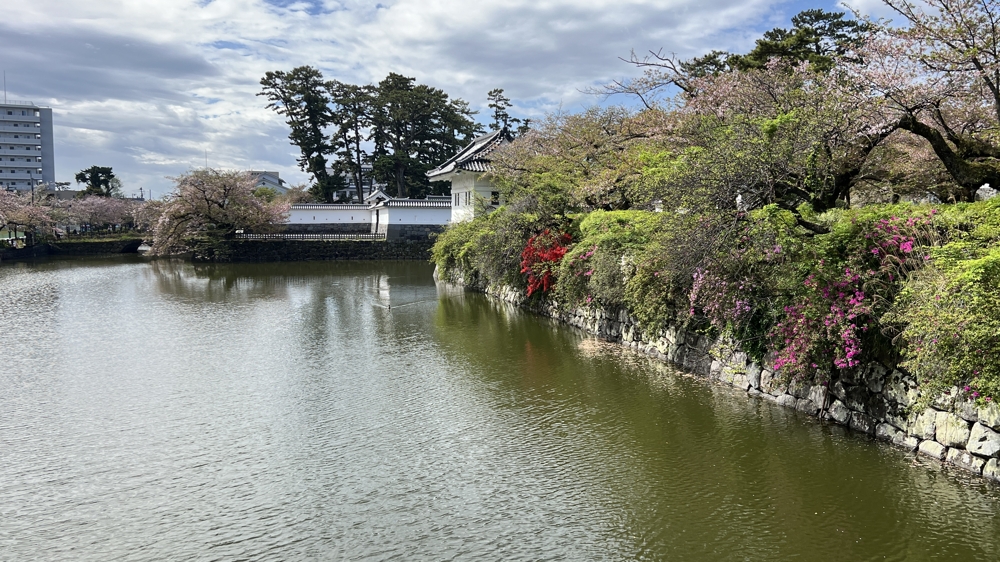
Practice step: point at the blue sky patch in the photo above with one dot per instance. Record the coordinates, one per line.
(311, 7)
(228, 45)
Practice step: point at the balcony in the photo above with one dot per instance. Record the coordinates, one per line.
(20, 179)
(15, 114)
(22, 139)
(35, 129)
(9, 120)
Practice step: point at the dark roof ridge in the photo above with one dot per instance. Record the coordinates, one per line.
(472, 157)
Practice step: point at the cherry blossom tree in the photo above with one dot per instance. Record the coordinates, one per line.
(99, 212)
(147, 215)
(939, 78)
(212, 203)
(576, 161)
(17, 212)
(784, 135)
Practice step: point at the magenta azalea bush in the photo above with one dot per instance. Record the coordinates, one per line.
(834, 319)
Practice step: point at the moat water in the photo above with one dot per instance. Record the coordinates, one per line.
(357, 411)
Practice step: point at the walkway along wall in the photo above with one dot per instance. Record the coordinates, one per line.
(873, 399)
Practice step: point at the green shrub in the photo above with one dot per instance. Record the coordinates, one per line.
(487, 250)
(596, 269)
(949, 313)
(952, 333)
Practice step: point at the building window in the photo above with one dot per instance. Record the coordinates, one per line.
(494, 198)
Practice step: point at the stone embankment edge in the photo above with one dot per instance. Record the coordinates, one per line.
(314, 250)
(74, 248)
(243, 250)
(872, 399)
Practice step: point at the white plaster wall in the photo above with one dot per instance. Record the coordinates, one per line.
(413, 215)
(329, 216)
(467, 187)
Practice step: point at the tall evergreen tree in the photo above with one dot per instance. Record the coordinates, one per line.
(399, 127)
(301, 96)
(499, 104)
(817, 37)
(100, 181)
(501, 119)
(415, 127)
(352, 113)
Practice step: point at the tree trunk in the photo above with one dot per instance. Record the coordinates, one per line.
(969, 175)
(400, 182)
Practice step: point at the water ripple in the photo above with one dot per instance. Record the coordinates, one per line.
(273, 412)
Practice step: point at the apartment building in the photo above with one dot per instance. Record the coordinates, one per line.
(26, 146)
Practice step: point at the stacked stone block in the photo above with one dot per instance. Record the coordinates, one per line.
(874, 399)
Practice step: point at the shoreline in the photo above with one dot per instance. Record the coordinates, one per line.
(238, 251)
(873, 399)
(74, 247)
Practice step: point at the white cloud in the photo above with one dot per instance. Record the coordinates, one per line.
(148, 86)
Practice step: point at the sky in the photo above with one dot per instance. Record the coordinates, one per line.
(154, 88)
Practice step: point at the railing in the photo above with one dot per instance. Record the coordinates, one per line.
(338, 236)
(17, 102)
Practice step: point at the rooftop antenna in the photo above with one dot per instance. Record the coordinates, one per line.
(5, 86)
(206, 158)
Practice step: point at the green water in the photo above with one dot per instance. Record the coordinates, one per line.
(357, 411)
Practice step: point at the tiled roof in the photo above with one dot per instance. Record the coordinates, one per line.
(475, 156)
(326, 206)
(413, 203)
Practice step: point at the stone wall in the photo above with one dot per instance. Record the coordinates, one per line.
(74, 247)
(412, 231)
(310, 250)
(874, 399)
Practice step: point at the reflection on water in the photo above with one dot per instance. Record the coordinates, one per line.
(350, 410)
